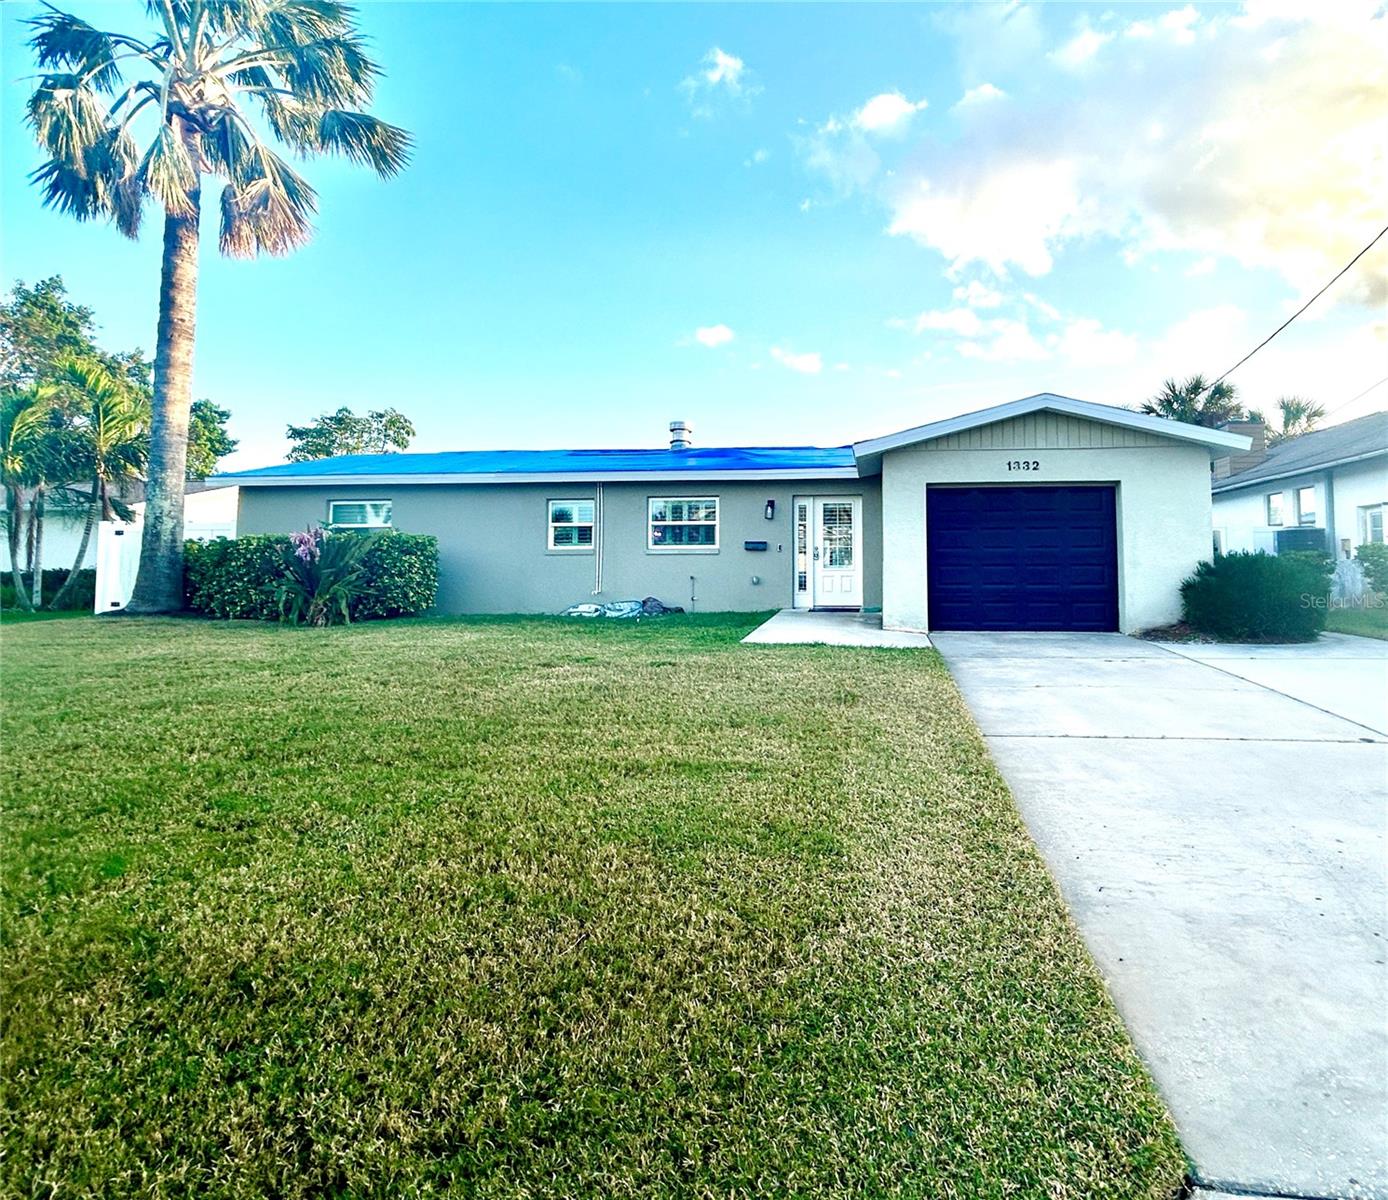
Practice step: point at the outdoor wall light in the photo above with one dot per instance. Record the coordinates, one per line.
(770, 513)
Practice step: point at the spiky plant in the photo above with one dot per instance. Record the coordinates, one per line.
(1299, 415)
(130, 120)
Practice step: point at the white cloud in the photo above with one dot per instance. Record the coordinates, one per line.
(1007, 216)
(1081, 48)
(806, 364)
(978, 295)
(713, 335)
(981, 94)
(1087, 343)
(1201, 266)
(1275, 165)
(721, 76)
(1008, 340)
(962, 321)
(887, 113)
(757, 157)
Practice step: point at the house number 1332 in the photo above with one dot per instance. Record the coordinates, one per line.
(1024, 464)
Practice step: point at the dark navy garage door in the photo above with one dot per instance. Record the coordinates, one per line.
(1022, 558)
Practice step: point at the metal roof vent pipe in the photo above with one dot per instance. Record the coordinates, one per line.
(681, 435)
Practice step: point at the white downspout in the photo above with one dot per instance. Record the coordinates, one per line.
(597, 543)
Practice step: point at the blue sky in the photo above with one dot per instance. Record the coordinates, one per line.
(896, 212)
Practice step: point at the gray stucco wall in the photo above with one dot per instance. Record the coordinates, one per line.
(493, 555)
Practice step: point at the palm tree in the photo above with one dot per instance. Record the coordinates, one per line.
(183, 113)
(25, 447)
(1299, 415)
(106, 440)
(1195, 402)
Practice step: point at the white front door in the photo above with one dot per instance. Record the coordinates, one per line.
(828, 551)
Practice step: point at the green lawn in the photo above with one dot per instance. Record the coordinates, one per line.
(1363, 622)
(520, 908)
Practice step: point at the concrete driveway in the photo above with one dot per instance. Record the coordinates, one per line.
(1215, 817)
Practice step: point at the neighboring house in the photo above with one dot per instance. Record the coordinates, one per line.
(1326, 490)
(209, 511)
(1046, 513)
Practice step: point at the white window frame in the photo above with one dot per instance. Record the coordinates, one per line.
(390, 524)
(1366, 512)
(1281, 510)
(1315, 504)
(551, 525)
(651, 523)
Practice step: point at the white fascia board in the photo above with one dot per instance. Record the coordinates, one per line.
(589, 477)
(1235, 484)
(1217, 441)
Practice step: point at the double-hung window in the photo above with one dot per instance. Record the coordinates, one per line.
(1306, 506)
(1371, 524)
(571, 524)
(683, 523)
(1274, 508)
(359, 514)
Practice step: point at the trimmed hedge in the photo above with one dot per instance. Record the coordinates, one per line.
(1373, 557)
(1243, 597)
(83, 596)
(238, 580)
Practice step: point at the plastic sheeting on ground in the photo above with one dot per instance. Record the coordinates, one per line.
(621, 609)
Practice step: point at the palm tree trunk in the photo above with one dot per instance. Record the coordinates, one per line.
(159, 583)
(70, 583)
(36, 515)
(14, 513)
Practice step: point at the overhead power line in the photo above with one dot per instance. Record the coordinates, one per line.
(1298, 313)
(1361, 395)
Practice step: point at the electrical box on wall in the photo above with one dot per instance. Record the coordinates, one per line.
(754, 545)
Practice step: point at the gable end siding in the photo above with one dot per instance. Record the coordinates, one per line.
(1047, 431)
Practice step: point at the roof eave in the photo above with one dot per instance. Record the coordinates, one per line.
(345, 480)
(1234, 483)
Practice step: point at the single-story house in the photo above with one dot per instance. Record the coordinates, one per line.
(1326, 490)
(1046, 513)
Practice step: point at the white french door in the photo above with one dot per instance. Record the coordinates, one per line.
(828, 551)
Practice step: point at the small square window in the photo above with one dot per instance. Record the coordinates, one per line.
(359, 514)
(571, 524)
(1306, 506)
(1274, 508)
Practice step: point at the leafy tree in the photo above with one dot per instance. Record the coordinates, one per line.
(1195, 402)
(126, 119)
(105, 442)
(208, 439)
(381, 431)
(39, 328)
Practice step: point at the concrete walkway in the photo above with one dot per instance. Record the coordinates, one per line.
(1215, 818)
(801, 627)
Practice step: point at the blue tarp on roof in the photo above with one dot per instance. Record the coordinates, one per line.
(574, 463)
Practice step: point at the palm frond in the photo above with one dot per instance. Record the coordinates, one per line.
(167, 172)
(68, 190)
(67, 42)
(364, 139)
(266, 209)
(66, 117)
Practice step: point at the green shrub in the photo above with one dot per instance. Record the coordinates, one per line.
(402, 574)
(241, 579)
(234, 579)
(1244, 597)
(1373, 557)
(83, 596)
